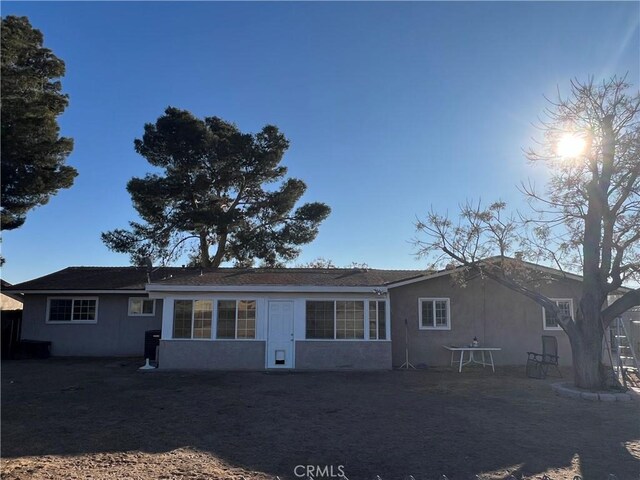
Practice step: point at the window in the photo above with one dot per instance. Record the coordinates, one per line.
(141, 307)
(377, 320)
(236, 319)
(434, 314)
(550, 319)
(345, 319)
(246, 319)
(192, 318)
(320, 320)
(81, 310)
(349, 319)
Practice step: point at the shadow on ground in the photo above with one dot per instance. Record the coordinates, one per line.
(393, 424)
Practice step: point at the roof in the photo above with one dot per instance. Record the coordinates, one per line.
(135, 278)
(428, 275)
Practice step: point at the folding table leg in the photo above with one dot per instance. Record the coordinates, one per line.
(483, 362)
(461, 357)
(492, 366)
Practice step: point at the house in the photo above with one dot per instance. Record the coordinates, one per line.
(307, 319)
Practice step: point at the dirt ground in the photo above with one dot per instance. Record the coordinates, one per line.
(77, 419)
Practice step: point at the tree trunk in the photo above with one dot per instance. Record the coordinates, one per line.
(205, 260)
(222, 245)
(586, 349)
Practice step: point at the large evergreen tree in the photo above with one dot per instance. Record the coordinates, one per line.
(220, 189)
(33, 153)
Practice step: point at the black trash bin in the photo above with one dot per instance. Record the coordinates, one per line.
(151, 342)
(35, 349)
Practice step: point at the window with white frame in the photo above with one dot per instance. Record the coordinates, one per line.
(377, 320)
(434, 314)
(550, 319)
(141, 307)
(236, 319)
(349, 319)
(192, 318)
(320, 319)
(81, 310)
(345, 319)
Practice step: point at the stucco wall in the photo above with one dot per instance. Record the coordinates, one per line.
(494, 314)
(115, 333)
(343, 355)
(212, 354)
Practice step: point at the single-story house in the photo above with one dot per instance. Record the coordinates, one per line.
(288, 318)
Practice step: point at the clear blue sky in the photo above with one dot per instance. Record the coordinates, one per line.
(390, 107)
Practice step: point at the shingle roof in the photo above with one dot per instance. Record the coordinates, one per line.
(330, 277)
(135, 278)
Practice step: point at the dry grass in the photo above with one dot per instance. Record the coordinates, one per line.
(103, 419)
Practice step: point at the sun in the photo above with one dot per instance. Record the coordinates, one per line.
(570, 145)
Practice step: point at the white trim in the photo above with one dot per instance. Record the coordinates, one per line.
(153, 312)
(544, 314)
(70, 321)
(434, 299)
(262, 288)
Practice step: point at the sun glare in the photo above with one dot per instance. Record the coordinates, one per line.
(570, 145)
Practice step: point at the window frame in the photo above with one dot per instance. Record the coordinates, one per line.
(237, 301)
(377, 323)
(71, 321)
(366, 337)
(143, 299)
(193, 318)
(434, 326)
(544, 314)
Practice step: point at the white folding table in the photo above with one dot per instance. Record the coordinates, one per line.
(472, 358)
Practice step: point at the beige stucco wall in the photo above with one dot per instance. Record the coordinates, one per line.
(343, 355)
(212, 354)
(494, 314)
(115, 333)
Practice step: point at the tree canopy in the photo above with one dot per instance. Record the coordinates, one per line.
(219, 189)
(585, 221)
(33, 153)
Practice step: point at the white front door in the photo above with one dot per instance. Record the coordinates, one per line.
(280, 335)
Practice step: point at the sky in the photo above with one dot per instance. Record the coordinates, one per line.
(391, 108)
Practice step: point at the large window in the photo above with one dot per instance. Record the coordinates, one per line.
(377, 320)
(236, 319)
(192, 318)
(320, 320)
(81, 310)
(550, 319)
(345, 319)
(349, 319)
(434, 314)
(141, 307)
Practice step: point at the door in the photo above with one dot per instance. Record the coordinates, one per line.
(280, 335)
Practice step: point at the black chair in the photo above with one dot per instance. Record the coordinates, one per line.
(538, 364)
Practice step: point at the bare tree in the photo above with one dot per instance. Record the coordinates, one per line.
(586, 220)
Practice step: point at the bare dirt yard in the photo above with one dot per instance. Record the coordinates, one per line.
(77, 419)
